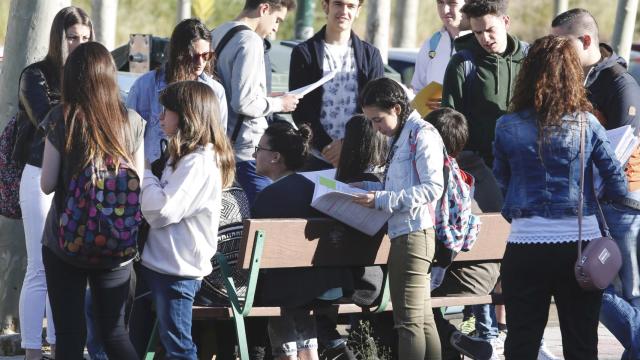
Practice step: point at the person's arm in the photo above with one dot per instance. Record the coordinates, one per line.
(453, 84)
(167, 204)
(623, 104)
(376, 66)
(247, 97)
(222, 103)
(604, 158)
(300, 75)
(501, 169)
(50, 168)
(429, 163)
(34, 95)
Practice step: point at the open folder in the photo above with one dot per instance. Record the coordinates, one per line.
(309, 88)
(431, 92)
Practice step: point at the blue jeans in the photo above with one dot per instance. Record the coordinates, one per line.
(623, 320)
(624, 224)
(173, 296)
(249, 180)
(486, 323)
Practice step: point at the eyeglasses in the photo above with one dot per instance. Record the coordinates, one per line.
(258, 148)
(205, 56)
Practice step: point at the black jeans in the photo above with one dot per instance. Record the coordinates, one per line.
(531, 275)
(109, 290)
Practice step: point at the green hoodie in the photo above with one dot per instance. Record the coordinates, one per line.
(487, 96)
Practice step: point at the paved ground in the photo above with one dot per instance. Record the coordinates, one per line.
(608, 348)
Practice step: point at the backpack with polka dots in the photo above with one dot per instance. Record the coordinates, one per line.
(101, 214)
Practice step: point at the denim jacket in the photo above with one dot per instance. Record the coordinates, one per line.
(414, 181)
(144, 98)
(545, 181)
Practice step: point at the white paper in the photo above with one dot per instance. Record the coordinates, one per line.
(314, 175)
(335, 199)
(309, 88)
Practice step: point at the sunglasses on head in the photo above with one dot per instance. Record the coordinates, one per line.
(206, 56)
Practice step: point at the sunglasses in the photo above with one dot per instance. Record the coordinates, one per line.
(205, 56)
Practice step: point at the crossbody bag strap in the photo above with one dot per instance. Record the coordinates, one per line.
(581, 194)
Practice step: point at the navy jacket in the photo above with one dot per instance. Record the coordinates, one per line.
(306, 68)
(291, 198)
(614, 93)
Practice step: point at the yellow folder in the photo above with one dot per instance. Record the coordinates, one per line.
(431, 92)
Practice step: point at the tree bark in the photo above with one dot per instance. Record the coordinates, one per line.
(404, 32)
(184, 10)
(26, 42)
(104, 14)
(378, 15)
(624, 27)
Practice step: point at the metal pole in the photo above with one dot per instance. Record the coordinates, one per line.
(624, 27)
(304, 19)
(560, 6)
(104, 14)
(184, 10)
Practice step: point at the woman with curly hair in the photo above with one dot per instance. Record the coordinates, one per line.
(537, 165)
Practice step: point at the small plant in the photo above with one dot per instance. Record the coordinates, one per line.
(363, 344)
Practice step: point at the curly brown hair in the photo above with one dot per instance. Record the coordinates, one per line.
(550, 82)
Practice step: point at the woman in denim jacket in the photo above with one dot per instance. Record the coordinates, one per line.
(413, 183)
(537, 165)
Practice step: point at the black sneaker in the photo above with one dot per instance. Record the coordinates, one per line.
(471, 347)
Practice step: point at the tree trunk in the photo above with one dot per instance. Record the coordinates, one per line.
(624, 26)
(404, 32)
(184, 10)
(26, 42)
(378, 15)
(104, 14)
(560, 6)
(304, 19)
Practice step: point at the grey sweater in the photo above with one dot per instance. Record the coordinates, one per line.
(241, 69)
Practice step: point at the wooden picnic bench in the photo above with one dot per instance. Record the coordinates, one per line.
(301, 243)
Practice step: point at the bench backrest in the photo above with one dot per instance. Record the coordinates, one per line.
(326, 242)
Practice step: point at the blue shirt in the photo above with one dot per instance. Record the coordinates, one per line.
(144, 98)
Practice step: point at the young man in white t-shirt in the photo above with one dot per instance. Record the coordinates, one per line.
(436, 51)
(334, 48)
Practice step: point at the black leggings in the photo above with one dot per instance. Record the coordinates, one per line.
(109, 290)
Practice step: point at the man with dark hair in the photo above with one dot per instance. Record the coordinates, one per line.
(615, 96)
(240, 65)
(334, 48)
(478, 82)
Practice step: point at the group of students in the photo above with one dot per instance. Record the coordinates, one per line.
(183, 137)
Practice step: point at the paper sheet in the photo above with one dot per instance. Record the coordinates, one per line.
(335, 199)
(431, 92)
(309, 88)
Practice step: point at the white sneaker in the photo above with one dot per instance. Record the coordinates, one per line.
(545, 354)
(498, 345)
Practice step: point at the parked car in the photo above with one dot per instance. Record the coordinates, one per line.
(403, 60)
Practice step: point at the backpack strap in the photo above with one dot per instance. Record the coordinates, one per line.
(433, 44)
(221, 45)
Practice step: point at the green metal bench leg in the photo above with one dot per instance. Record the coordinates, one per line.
(153, 343)
(241, 333)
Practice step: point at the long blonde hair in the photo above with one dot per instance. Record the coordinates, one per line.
(199, 124)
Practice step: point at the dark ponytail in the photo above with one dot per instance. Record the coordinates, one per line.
(292, 144)
(385, 93)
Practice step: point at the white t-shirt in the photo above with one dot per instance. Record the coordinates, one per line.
(340, 96)
(430, 69)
